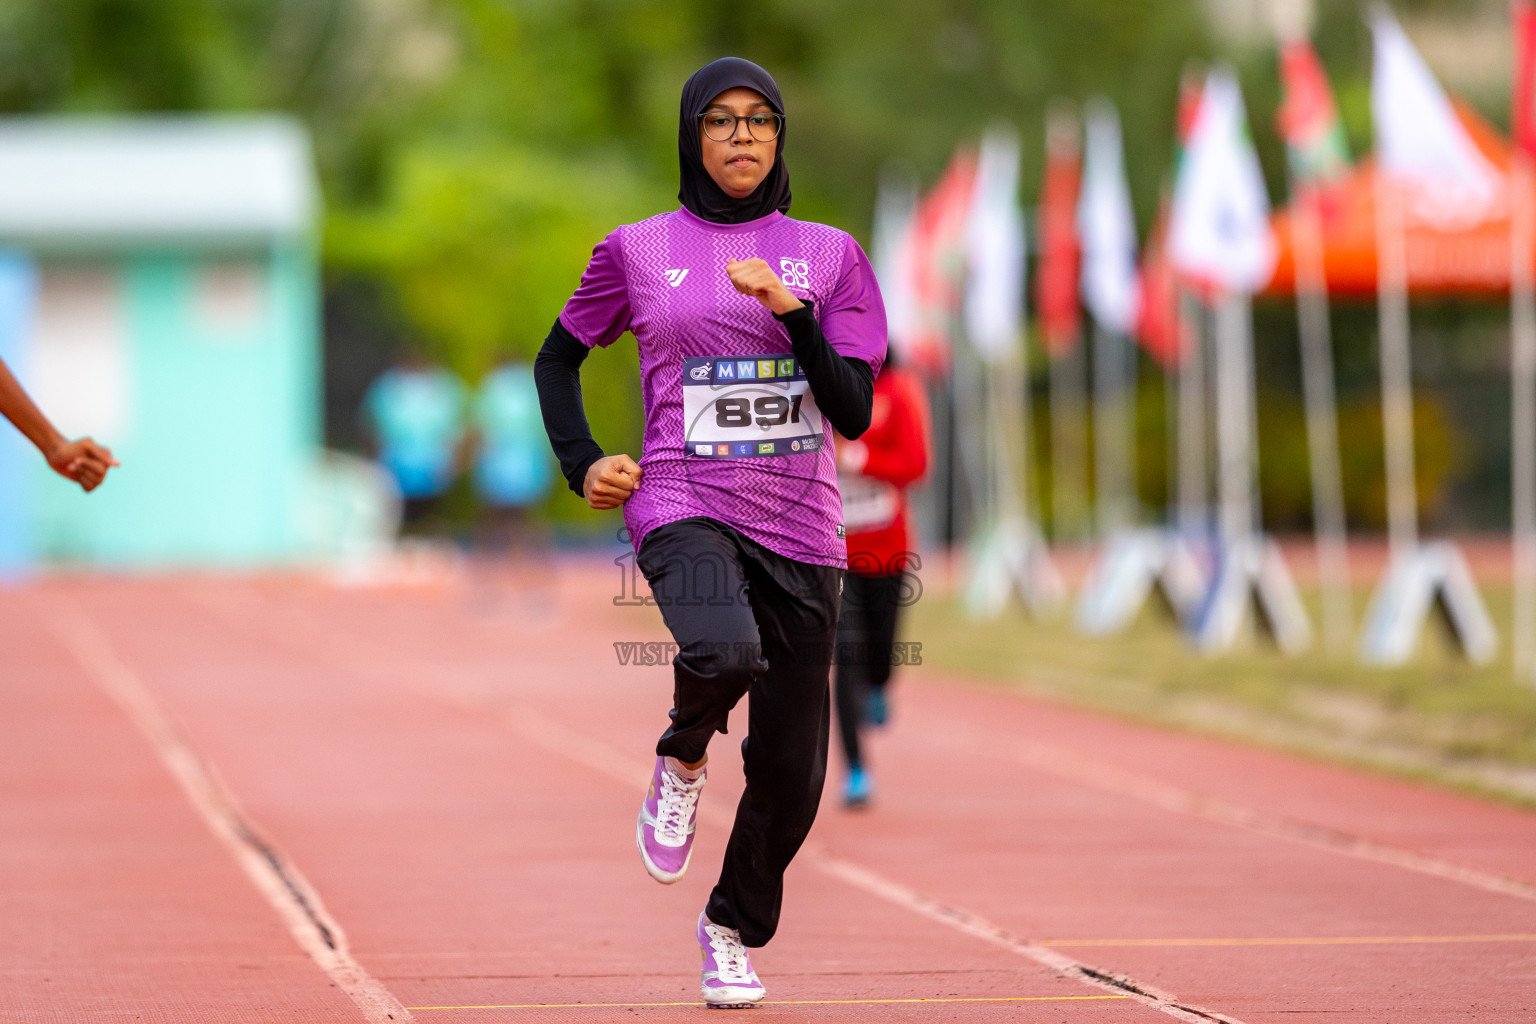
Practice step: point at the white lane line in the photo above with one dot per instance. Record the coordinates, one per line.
(1066, 765)
(273, 874)
(561, 740)
(978, 927)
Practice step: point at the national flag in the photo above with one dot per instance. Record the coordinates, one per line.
(938, 256)
(1157, 313)
(1158, 325)
(994, 299)
(1056, 280)
(1420, 142)
(1191, 83)
(1308, 119)
(1523, 105)
(1219, 234)
(1107, 225)
(891, 252)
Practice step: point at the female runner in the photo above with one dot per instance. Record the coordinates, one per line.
(758, 335)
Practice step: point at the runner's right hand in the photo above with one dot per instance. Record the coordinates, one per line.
(610, 481)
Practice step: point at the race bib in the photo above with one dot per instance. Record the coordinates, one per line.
(868, 504)
(748, 406)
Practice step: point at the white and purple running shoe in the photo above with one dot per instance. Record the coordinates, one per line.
(664, 832)
(728, 981)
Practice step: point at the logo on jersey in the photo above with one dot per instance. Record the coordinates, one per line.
(796, 273)
(766, 448)
(703, 449)
(700, 372)
(794, 445)
(675, 277)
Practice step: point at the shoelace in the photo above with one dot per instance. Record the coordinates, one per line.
(675, 803)
(731, 961)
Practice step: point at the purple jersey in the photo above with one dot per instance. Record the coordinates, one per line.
(732, 432)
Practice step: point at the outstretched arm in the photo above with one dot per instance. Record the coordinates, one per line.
(83, 461)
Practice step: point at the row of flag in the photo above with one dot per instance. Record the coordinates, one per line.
(954, 257)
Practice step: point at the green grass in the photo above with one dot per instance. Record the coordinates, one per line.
(1439, 718)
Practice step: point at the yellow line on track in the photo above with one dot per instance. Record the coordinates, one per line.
(1338, 940)
(781, 1002)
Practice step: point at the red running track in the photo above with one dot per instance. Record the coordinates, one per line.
(235, 800)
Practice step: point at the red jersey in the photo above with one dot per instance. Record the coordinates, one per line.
(875, 471)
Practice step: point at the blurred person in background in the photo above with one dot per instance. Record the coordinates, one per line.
(415, 414)
(756, 333)
(512, 471)
(83, 460)
(873, 474)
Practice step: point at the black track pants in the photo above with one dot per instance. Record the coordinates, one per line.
(866, 631)
(749, 621)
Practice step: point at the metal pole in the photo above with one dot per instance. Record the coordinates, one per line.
(1234, 441)
(1172, 376)
(1068, 448)
(1192, 472)
(1322, 420)
(1523, 399)
(1396, 371)
(1109, 430)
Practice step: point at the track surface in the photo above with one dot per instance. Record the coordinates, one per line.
(236, 800)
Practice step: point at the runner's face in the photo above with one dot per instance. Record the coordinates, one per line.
(740, 163)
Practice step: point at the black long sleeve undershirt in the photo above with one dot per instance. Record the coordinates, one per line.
(844, 388)
(557, 374)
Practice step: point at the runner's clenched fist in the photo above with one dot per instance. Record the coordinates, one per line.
(755, 278)
(611, 480)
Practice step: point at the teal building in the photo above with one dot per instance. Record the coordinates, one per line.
(159, 291)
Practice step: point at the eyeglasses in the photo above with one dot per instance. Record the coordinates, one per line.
(764, 125)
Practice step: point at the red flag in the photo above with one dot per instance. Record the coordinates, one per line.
(1056, 280)
(1158, 326)
(1157, 316)
(1523, 107)
(1191, 85)
(938, 259)
(1308, 118)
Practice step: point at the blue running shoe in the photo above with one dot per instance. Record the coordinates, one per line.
(875, 710)
(856, 788)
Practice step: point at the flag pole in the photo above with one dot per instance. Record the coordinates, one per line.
(1234, 440)
(1191, 467)
(1523, 401)
(1068, 483)
(1329, 527)
(1110, 425)
(1396, 371)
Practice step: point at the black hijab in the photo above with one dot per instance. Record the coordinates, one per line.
(698, 191)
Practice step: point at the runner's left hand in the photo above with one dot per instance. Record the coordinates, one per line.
(755, 278)
(83, 461)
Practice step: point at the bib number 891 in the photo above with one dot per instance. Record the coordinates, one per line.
(771, 410)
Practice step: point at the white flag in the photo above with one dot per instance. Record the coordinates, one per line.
(1110, 284)
(1219, 226)
(891, 254)
(1420, 141)
(994, 241)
